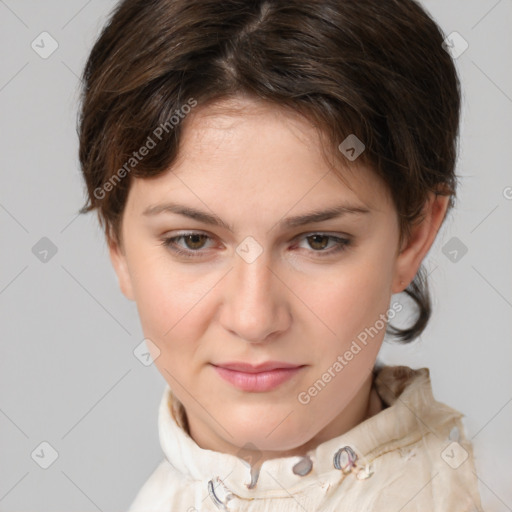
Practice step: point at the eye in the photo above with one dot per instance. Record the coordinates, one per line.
(194, 242)
(319, 241)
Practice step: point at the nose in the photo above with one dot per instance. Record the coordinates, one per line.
(256, 307)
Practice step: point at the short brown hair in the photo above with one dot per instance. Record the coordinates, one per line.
(372, 68)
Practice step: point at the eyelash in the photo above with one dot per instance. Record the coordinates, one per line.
(170, 243)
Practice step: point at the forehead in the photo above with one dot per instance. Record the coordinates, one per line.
(250, 147)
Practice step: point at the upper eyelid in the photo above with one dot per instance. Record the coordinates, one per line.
(303, 234)
(300, 236)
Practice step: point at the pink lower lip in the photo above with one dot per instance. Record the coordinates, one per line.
(261, 381)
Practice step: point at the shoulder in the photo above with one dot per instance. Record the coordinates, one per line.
(165, 489)
(426, 461)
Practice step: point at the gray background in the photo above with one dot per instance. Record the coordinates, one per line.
(68, 374)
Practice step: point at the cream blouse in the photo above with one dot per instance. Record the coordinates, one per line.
(413, 455)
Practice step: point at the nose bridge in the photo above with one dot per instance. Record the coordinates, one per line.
(255, 306)
(254, 279)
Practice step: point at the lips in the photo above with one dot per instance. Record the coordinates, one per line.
(262, 367)
(257, 378)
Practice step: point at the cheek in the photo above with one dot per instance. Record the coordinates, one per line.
(348, 301)
(169, 301)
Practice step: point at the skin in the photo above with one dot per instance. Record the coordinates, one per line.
(253, 169)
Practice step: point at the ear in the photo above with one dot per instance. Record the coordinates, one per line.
(421, 238)
(118, 259)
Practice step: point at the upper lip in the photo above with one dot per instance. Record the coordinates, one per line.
(251, 368)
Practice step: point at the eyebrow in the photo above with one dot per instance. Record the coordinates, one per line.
(290, 222)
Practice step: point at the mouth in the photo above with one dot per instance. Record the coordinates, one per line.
(257, 378)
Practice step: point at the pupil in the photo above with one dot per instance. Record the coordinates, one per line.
(194, 240)
(315, 240)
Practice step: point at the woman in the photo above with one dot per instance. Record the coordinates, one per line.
(268, 174)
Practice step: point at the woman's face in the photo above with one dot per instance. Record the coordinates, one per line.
(254, 284)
